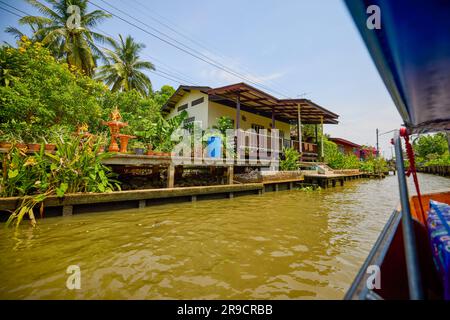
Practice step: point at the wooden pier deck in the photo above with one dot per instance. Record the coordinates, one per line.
(324, 180)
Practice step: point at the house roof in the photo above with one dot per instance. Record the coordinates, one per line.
(344, 142)
(257, 101)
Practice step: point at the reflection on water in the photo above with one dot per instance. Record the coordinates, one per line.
(290, 244)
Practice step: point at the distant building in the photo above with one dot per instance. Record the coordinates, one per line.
(347, 147)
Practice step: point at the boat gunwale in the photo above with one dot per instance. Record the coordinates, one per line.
(358, 289)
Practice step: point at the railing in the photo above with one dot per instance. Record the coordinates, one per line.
(255, 142)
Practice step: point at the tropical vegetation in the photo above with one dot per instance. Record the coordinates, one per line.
(290, 160)
(123, 71)
(432, 150)
(67, 27)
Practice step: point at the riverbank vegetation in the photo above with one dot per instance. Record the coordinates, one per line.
(431, 150)
(75, 166)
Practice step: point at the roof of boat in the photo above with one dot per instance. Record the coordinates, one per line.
(411, 51)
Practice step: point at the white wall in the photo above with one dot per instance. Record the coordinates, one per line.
(208, 114)
(199, 111)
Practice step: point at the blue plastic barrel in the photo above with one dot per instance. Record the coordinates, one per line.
(214, 147)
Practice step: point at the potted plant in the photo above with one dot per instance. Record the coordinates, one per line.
(139, 147)
(150, 151)
(6, 139)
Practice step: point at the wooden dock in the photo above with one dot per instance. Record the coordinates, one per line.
(92, 202)
(325, 180)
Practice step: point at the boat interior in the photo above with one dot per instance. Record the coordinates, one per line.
(388, 253)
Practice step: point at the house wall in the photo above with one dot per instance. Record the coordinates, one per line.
(348, 150)
(217, 110)
(199, 111)
(208, 114)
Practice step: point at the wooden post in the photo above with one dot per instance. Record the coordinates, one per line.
(299, 128)
(321, 138)
(273, 118)
(238, 112)
(316, 133)
(230, 174)
(155, 173)
(171, 176)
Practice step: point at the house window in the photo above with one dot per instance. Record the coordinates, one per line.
(188, 120)
(198, 101)
(183, 107)
(244, 118)
(257, 127)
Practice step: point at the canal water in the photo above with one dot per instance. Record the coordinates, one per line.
(290, 244)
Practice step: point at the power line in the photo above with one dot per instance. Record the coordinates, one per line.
(165, 75)
(197, 55)
(167, 71)
(10, 12)
(14, 9)
(192, 39)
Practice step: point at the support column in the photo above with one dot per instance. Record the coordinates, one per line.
(230, 174)
(316, 134)
(273, 118)
(321, 138)
(238, 112)
(171, 176)
(299, 128)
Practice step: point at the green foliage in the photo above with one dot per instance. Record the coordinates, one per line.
(432, 150)
(123, 71)
(290, 161)
(76, 45)
(75, 167)
(42, 92)
(336, 159)
(223, 124)
(374, 165)
(162, 95)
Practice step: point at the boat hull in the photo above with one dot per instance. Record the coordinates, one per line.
(388, 255)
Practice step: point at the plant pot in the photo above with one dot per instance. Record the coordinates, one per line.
(139, 151)
(22, 146)
(34, 147)
(150, 153)
(5, 145)
(50, 147)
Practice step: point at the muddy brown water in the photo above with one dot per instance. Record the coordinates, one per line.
(290, 244)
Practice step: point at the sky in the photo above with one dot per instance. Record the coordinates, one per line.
(293, 48)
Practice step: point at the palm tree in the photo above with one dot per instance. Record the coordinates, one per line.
(123, 72)
(75, 44)
(35, 37)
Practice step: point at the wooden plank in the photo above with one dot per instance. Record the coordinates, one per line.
(132, 195)
(284, 181)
